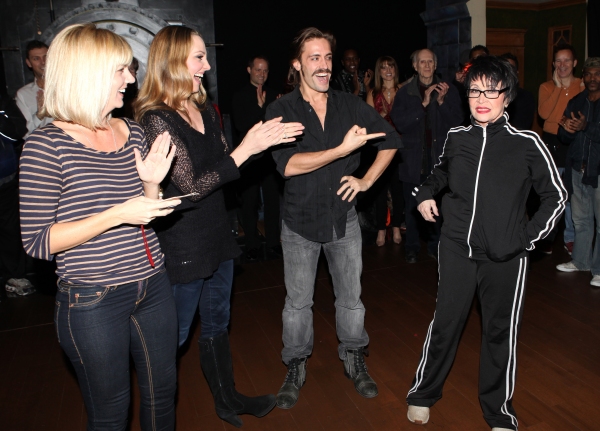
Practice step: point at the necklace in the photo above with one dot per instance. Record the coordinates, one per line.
(388, 93)
(113, 136)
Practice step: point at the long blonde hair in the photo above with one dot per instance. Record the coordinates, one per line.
(82, 61)
(168, 80)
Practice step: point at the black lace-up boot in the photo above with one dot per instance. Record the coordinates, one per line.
(294, 380)
(215, 358)
(356, 370)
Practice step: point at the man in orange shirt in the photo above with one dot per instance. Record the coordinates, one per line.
(552, 101)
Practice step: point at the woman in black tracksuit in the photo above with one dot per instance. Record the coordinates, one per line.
(489, 168)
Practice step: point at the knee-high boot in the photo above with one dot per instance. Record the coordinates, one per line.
(215, 358)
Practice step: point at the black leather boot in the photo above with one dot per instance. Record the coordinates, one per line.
(356, 370)
(294, 380)
(215, 358)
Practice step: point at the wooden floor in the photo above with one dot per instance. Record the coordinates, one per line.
(558, 385)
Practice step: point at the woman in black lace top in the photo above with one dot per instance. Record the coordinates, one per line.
(197, 242)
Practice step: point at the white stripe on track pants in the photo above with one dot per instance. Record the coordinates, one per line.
(500, 287)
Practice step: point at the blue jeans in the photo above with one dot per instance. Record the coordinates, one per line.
(585, 205)
(212, 295)
(569, 233)
(99, 327)
(300, 258)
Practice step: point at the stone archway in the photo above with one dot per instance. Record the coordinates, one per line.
(134, 24)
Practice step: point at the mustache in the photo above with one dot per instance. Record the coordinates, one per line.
(322, 71)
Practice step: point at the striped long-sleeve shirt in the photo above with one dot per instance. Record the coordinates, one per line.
(61, 180)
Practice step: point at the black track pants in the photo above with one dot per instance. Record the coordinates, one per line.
(501, 289)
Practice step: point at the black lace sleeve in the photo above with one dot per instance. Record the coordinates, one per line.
(182, 173)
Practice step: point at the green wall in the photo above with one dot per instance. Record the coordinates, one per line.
(537, 24)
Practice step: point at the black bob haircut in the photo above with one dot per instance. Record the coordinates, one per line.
(492, 70)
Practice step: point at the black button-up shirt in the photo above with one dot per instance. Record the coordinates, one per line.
(311, 205)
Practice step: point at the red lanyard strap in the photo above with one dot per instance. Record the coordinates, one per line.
(146, 246)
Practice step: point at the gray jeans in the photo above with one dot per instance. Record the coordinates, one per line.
(300, 257)
(585, 206)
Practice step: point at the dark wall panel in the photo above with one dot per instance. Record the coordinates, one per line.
(373, 28)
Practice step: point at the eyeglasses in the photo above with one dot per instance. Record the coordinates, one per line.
(473, 93)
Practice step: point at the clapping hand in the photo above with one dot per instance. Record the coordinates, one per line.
(261, 96)
(39, 98)
(356, 82)
(576, 124)
(367, 79)
(427, 95)
(273, 132)
(155, 166)
(442, 89)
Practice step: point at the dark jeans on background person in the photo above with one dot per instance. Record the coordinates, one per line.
(500, 287)
(13, 260)
(558, 150)
(99, 327)
(389, 181)
(300, 259)
(416, 224)
(250, 186)
(212, 295)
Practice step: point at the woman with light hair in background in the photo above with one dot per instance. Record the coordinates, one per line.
(381, 97)
(88, 187)
(197, 240)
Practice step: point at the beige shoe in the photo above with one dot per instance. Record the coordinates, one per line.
(418, 415)
(396, 235)
(502, 429)
(380, 241)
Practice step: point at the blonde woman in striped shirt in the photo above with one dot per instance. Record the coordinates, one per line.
(88, 188)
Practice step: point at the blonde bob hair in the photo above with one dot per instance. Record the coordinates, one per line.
(80, 68)
(168, 80)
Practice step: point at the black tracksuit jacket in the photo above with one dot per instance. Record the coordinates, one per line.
(489, 172)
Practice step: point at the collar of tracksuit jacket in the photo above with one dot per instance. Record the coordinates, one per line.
(492, 128)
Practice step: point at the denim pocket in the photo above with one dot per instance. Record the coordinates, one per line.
(85, 296)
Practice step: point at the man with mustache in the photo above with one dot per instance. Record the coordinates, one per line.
(580, 129)
(318, 209)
